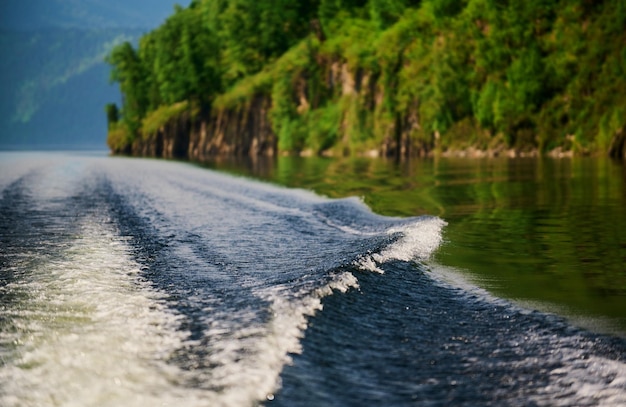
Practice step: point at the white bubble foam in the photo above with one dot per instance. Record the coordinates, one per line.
(86, 331)
(417, 242)
(248, 358)
(585, 381)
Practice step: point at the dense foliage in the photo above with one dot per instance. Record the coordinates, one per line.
(396, 75)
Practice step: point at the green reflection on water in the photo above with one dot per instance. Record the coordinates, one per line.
(547, 231)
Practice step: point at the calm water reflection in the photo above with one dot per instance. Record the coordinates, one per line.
(552, 232)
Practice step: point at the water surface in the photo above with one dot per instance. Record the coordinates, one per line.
(547, 232)
(131, 282)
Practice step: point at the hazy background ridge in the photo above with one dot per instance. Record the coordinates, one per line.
(55, 82)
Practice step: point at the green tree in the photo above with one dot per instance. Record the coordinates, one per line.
(385, 13)
(255, 32)
(129, 72)
(113, 115)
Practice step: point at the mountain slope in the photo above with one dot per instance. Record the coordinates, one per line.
(38, 14)
(54, 78)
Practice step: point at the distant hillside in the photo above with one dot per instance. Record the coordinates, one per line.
(54, 79)
(38, 14)
(54, 86)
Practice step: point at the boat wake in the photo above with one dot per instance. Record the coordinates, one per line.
(140, 282)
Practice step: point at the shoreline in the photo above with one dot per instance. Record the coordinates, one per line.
(470, 152)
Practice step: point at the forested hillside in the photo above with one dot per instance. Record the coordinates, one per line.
(394, 77)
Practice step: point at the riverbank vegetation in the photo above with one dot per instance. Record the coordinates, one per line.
(396, 77)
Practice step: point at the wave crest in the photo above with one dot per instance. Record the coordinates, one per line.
(417, 241)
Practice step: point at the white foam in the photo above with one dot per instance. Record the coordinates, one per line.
(247, 360)
(417, 242)
(585, 381)
(88, 332)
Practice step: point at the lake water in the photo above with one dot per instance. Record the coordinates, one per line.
(132, 282)
(548, 233)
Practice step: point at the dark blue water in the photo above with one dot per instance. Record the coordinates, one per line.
(141, 282)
